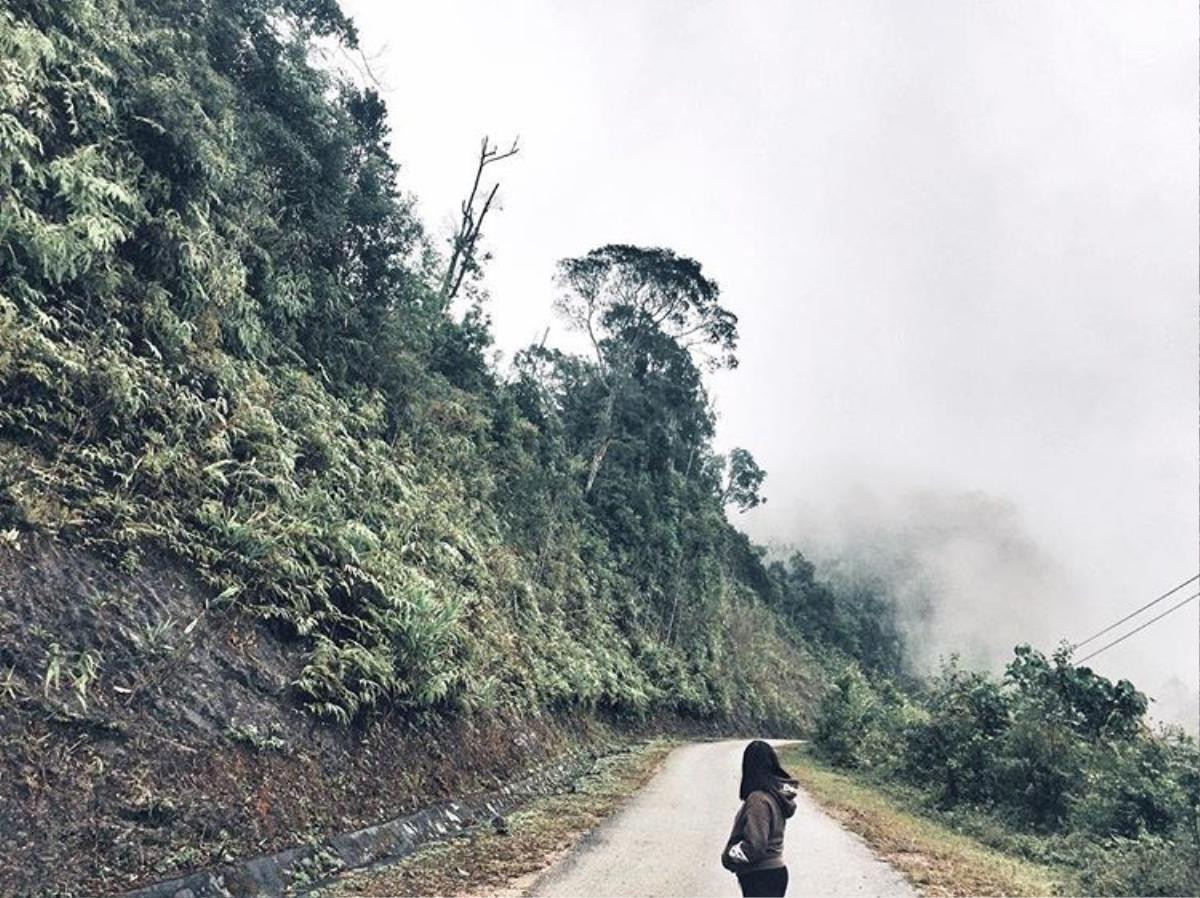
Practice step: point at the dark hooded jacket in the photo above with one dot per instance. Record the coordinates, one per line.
(758, 828)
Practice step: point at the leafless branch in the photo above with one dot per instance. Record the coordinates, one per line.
(466, 238)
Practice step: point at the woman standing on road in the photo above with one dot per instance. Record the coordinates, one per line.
(755, 847)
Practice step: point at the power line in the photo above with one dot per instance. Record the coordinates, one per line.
(1138, 629)
(1133, 614)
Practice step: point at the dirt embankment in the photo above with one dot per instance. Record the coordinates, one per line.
(143, 734)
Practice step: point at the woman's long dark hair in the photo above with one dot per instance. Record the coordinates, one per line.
(761, 769)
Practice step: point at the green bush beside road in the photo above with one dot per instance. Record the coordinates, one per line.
(1052, 762)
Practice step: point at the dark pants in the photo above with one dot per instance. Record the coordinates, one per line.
(765, 883)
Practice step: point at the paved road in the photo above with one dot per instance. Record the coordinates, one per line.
(667, 841)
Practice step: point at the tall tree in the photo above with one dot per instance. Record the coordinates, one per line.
(743, 478)
(633, 302)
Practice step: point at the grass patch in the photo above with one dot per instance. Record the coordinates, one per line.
(485, 861)
(938, 860)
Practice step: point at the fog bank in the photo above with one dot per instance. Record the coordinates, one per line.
(968, 579)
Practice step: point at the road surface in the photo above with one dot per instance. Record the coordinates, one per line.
(667, 841)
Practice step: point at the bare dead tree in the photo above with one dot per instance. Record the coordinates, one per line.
(474, 210)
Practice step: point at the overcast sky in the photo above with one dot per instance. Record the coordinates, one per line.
(961, 238)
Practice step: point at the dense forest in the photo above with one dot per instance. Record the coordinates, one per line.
(226, 339)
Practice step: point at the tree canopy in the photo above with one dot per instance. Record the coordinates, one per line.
(622, 296)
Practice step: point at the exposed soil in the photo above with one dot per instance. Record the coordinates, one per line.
(147, 732)
(143, 736)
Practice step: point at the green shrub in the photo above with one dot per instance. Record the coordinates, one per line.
(1053, 764)
(1146, 865)
(954, 749)
(849, 713)
(1137, 786)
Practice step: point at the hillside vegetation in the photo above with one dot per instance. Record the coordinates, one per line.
(224, 336)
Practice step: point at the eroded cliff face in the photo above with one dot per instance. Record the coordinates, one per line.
(145, 733)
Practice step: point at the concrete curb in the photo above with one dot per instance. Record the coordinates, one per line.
(295, 870)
